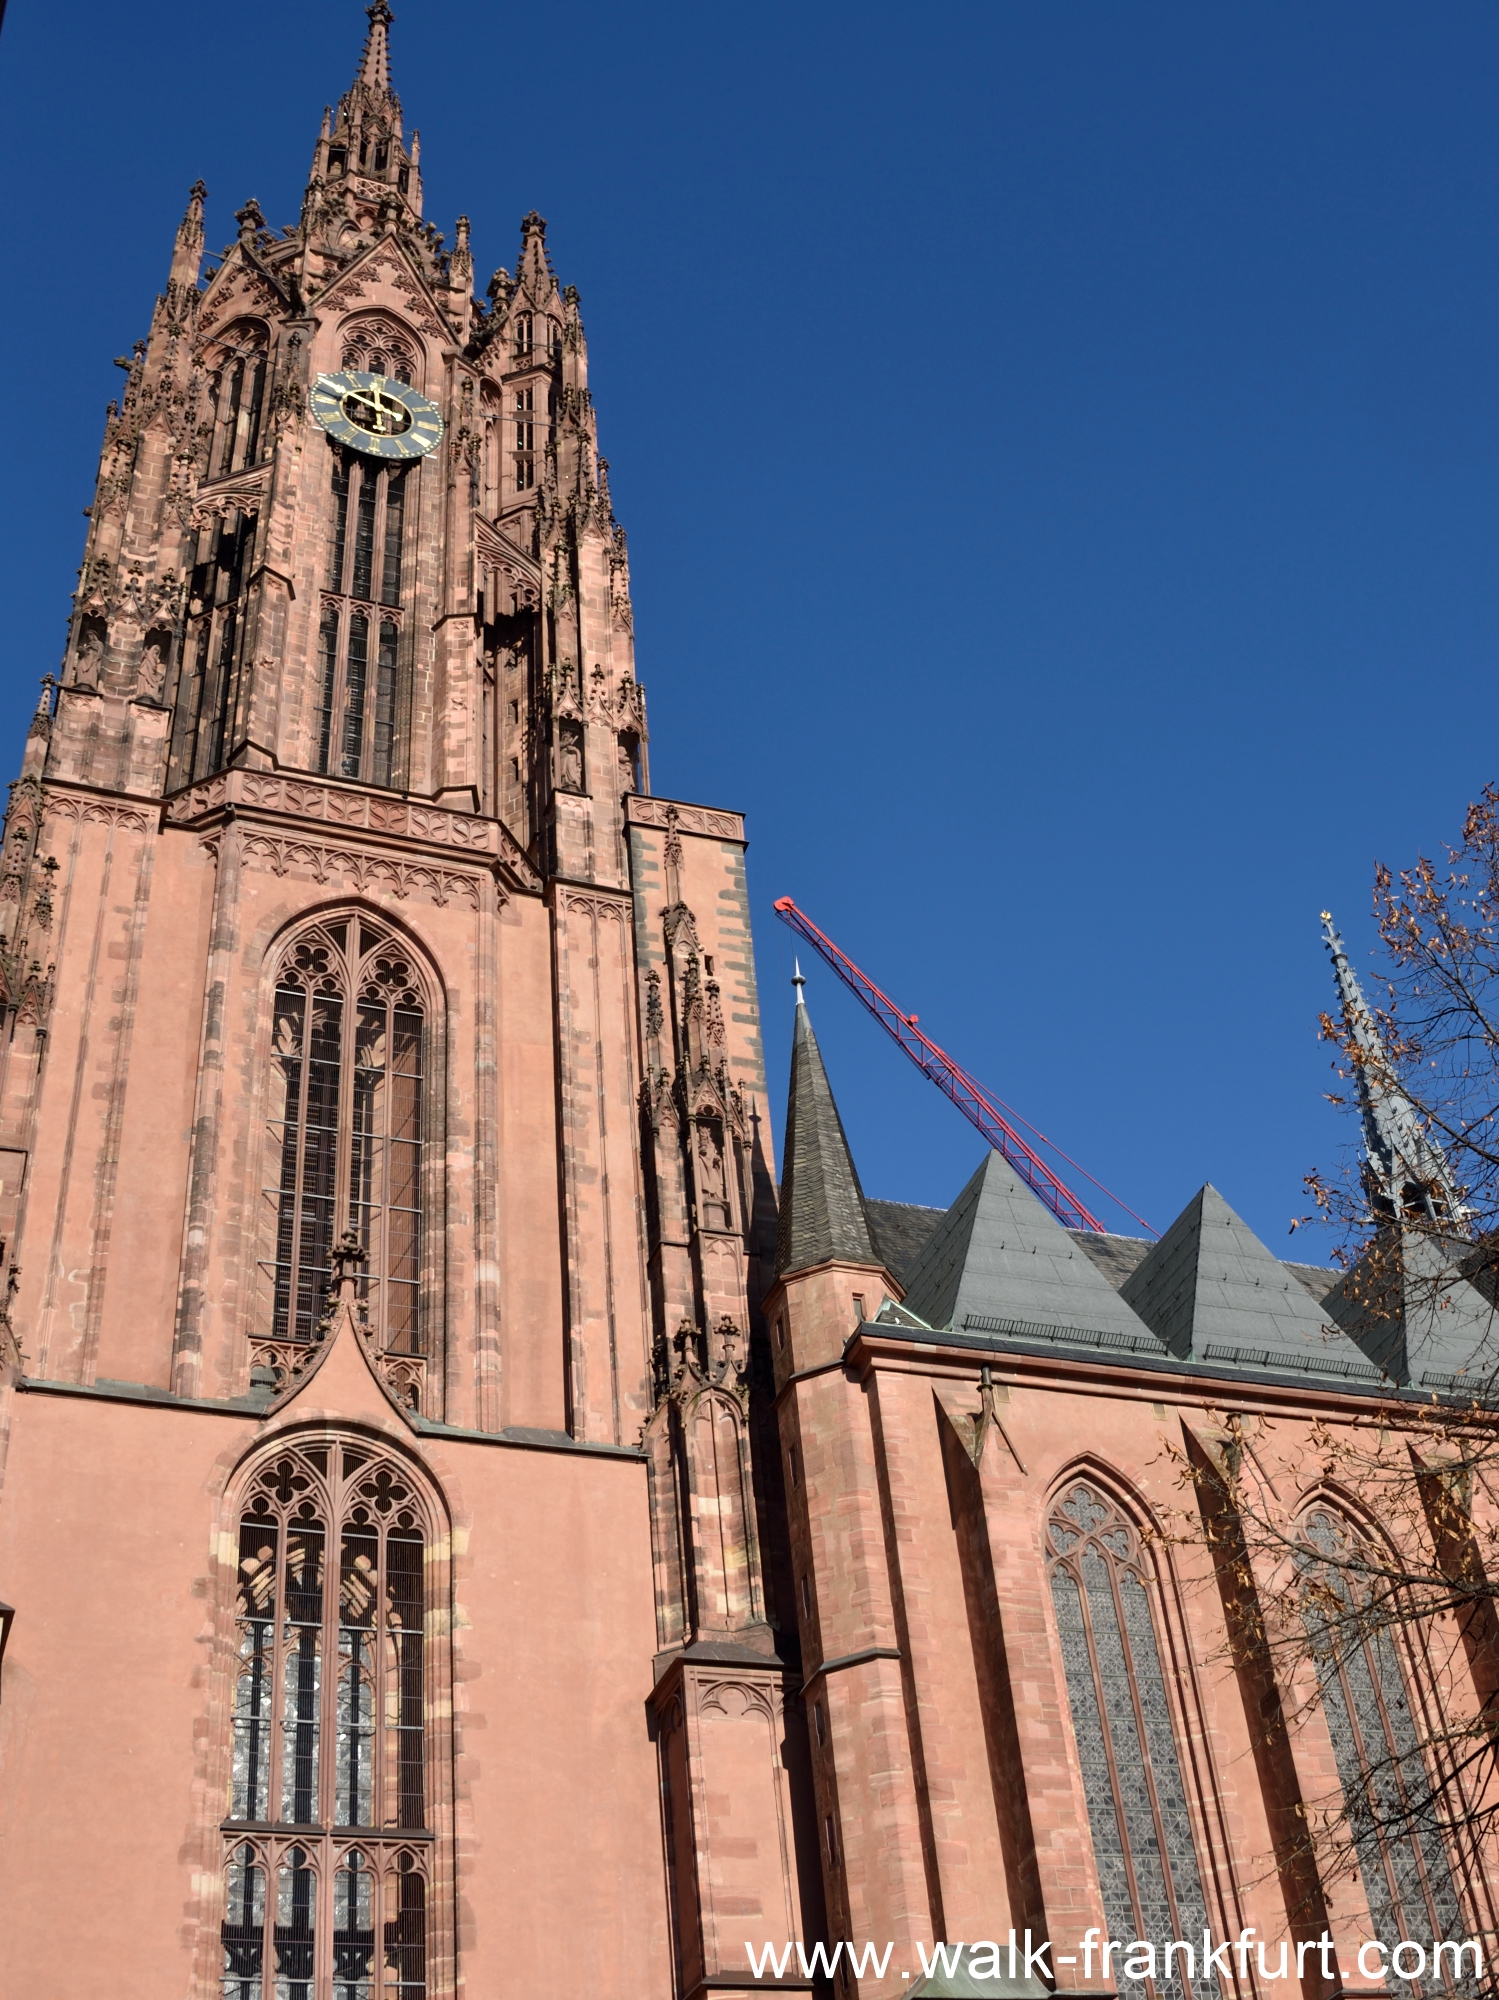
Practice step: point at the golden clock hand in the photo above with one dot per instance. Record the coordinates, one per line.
(371, 401)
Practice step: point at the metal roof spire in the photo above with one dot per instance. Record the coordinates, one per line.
(1405, 1167)
(823, 1216)
(798, 980)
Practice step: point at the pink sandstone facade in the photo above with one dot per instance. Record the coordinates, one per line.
(451, 1542)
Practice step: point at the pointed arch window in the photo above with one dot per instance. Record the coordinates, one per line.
(330, 1828)
(208, 694)
(1143, 1846)
(1387, 1796)
(238, 391)
(359, 632)
(346, 1131)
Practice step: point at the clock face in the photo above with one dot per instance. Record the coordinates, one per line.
(376, 415)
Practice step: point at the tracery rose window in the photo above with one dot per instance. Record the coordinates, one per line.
(346, 1129)
(1101, 1590)
(327, 1869)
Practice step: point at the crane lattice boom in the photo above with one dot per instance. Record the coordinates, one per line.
(965, 1091)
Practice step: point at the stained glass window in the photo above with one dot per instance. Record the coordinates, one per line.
(1148, 1874)
(329, 1887)
(1386, 1793)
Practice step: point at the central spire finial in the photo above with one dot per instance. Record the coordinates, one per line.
(798, 980)
(374, 68)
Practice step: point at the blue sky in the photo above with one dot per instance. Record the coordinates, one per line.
(1058, 444)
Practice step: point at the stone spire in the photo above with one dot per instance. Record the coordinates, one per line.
(187, 251)
(361, 165)
(822, 1205)
(1405, 1169)
(374, 67)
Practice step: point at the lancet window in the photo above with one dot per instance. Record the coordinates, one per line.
(1143, 1846)
(525, 439)
(1387, 1795)
(238, 391)
(210, 686)
(329, 1830)
(359, 632)
(346, 1133)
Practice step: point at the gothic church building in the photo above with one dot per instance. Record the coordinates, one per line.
(464, 1529)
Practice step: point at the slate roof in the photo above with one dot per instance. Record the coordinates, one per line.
(1409, 1307)
(901, 1230)
(822, 1205)
(1000, 1263)
(1213, 1292)
(1115, 1256)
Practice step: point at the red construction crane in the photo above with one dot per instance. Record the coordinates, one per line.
(977, 1106)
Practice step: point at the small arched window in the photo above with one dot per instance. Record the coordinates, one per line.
(330, 1822)
(1387, 1796)
(346, 1129)
(1101, 1588)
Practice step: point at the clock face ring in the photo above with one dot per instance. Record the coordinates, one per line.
(376, 415)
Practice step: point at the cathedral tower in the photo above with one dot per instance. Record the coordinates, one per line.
(383, 1179)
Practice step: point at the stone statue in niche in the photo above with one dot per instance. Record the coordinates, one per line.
(712, 1179)
(570, 757)
(153, 670)
(89, 659)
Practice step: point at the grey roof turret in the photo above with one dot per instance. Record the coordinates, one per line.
(822, 1204)
(1214, 1293)
(999, 1262)
(1410, 1308)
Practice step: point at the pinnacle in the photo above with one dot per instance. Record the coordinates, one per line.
(374, 67)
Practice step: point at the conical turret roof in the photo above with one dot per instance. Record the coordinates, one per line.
(822, 1205)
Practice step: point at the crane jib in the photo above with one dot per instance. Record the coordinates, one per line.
(964, 1090)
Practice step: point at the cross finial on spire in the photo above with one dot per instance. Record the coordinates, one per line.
(1404, 1166)
(374, 68)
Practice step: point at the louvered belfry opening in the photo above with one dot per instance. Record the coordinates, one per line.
(359, 628)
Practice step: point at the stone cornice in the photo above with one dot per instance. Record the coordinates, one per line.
(641, 810)
(1154, 1378)
(276, 799)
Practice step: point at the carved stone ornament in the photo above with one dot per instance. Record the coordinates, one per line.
(373, 812)
(642, 811)
(359, 870)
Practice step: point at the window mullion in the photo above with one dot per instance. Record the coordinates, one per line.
(380, 1663)
(277, 1760)
(1107, 1731)
(1148, 1768)
(333, 1573)
(377, 595)
(347, 1095)
(304, 1141)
